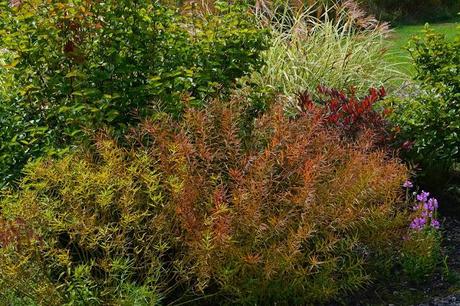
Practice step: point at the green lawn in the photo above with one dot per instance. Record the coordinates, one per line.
(401, 36)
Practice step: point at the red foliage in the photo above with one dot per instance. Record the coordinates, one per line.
(263, 210)
(349, 113)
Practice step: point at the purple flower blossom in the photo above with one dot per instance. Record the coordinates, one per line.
(435, 224)
(425, 208)
(423, 196)
(433, 203)
(408, 184)
(426, 213)
(418, 224)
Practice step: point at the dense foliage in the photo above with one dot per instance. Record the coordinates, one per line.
(220, 152)
(350, 114)
(79, 65)
(295, 214)
(430, 119)
(343, 47)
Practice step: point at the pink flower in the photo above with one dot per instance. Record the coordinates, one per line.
(408, 184)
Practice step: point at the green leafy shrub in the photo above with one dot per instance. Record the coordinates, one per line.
(429, 121)
(294, 214)
(437, 62)
(75, 65)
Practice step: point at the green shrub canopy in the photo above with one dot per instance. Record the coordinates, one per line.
(74, 66)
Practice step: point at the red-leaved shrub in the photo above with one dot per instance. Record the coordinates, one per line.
(350, 114)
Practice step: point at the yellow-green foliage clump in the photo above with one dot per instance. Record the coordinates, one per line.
(190, 211)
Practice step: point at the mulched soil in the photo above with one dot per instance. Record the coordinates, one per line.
(452, 300)
(452, 242)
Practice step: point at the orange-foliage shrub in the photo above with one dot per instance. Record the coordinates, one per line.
(294, 213)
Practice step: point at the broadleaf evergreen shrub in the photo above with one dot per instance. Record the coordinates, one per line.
(295, 214)
(429, 120)
(74, 66)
